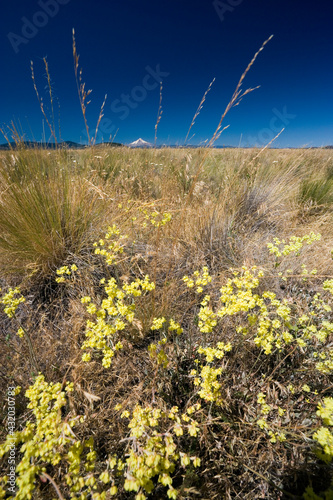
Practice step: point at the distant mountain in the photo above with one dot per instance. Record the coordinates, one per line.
(140, 143)
(47, 145)
(101, 144)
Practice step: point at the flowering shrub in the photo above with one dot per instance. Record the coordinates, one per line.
(323, 435)
(199, 279)
(282, 248)
(111, 317)
(155, 453)
(111, 246)
(156, 218)
(48, 439)
(65, 271)
(11, 301)
(117, 309)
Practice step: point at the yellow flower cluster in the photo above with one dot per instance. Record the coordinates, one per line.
(138, 286)
(237, 295)
(101, 334)
(269, 317)
(207, 317)
(325, 411)
(310, 330)
(173, 325)
(11, 302)
(218, 352)
(158, 355)
(319, 304)
(325, 366)
(208, 383)
(20, 332)
(199, 279)
(206, 377)
(65, 270)
(157, 323)
(153, 453)
(273, 323)
(45, 439)
(80, 476)
(323, 435)
(156, 351)
(282, 248)
(111, 246)
(328, 285)
(157, 218)
(265, 410)
(154, 443)
(305, 272)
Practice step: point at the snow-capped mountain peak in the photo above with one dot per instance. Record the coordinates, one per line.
(140, 143)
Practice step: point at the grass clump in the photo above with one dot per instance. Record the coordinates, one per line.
(47, 211)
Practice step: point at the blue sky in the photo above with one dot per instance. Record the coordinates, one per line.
(126, 47)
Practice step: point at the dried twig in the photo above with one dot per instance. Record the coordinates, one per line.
(54, 484)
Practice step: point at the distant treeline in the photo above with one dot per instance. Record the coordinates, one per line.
(48, 145)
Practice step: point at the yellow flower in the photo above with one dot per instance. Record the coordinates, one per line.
(113, 490)
(157, 323)
(20, 332)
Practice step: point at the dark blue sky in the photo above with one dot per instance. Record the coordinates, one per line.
(127, 46)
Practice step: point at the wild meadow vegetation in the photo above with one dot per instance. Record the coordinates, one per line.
(166, 320)
(166, 323)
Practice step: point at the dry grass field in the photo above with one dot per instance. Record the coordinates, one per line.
(166, 323)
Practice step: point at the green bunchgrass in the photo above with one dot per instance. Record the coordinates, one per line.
(47, 211)
(317, 191)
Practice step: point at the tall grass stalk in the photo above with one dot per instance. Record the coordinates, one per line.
(197, 113)
(40, 99)
(159, 113)
(84, 94)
